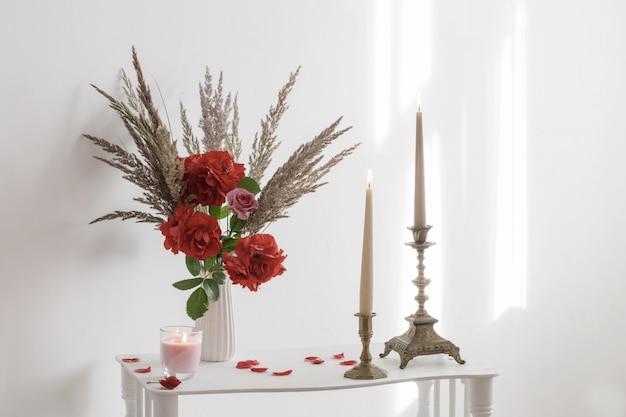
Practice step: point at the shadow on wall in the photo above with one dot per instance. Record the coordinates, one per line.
(61, 394)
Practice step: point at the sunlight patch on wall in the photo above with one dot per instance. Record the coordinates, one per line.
(382, 69)
(464, 153)
(414, 51)
(402, 58)
(511, 215)
(433, 256)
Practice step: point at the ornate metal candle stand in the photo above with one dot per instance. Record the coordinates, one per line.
(365, 369)
(420, 338)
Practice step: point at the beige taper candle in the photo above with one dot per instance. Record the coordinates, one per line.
(367, 256)
(419, 213)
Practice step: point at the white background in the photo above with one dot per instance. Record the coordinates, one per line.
(523, 107)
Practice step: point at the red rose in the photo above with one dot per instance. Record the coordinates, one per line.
(200, 236)
(209, 176)
(194, 233)
(258, 259)
(170, 229)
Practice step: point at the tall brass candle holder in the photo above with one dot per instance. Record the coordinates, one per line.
(365, 369)
(420, 338)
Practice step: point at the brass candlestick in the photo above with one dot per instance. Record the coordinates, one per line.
(365, 369)
(420, 338)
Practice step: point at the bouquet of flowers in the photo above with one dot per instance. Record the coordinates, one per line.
(205, 204)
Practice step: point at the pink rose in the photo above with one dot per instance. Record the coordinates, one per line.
(241, 202)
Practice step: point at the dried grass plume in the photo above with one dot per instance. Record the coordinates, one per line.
(155, 166)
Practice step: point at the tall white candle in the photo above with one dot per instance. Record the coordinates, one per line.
(367, 256)
(419, 213)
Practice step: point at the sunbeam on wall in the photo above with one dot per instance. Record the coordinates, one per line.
(409, 45)
(402, 58)
(511, 221)
(382, 69)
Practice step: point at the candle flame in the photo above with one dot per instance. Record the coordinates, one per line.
(419, 102)
(369, 178)
(184, 338)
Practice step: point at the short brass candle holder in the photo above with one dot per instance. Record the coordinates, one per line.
(421, 338)
(365, 369)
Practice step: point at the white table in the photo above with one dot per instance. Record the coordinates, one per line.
(144, 399)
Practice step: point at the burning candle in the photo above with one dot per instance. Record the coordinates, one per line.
(180, 350)
(419, 213)
(367, 256)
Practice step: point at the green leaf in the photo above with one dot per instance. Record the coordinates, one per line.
(228, 245)
(236, 224)
(211, 289)
(224, 212)
(215, 267)
(249, 184)
(210, 263)
(188, 284)
(219, 277)
(197, 304)
(193, 265)
(219, 212)
(214, 211)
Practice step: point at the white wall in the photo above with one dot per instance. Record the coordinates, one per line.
(523, 103)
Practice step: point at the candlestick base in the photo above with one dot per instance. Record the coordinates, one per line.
(366, 369)
(421, 338)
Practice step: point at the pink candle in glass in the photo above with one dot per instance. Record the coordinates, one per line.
(180, 349)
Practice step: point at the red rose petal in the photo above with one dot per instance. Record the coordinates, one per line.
(338, 355)
(284, 373)
(350, 362)
(130, 360)
(170, 382)
(258, 370)
(317, 361)
(247, 364)
(143, 370)
(312, 358)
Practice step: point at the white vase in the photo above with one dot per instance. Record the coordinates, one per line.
(218, 328)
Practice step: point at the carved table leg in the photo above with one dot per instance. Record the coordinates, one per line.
(481, 396)
(129, 392)
(423, 401)
(148, 404)
(139, 395)
(165, 405)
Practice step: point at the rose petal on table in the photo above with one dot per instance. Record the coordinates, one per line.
(317, 361)
(143, 370)
(247, 364)
(259, 370)
(312, 358)
(170, 382)
(130, 360)
(348, 363)
(283, 373)
(338, 355)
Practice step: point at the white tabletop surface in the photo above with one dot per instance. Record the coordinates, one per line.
(224, 377)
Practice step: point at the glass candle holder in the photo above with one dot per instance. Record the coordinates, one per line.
(180, 351)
